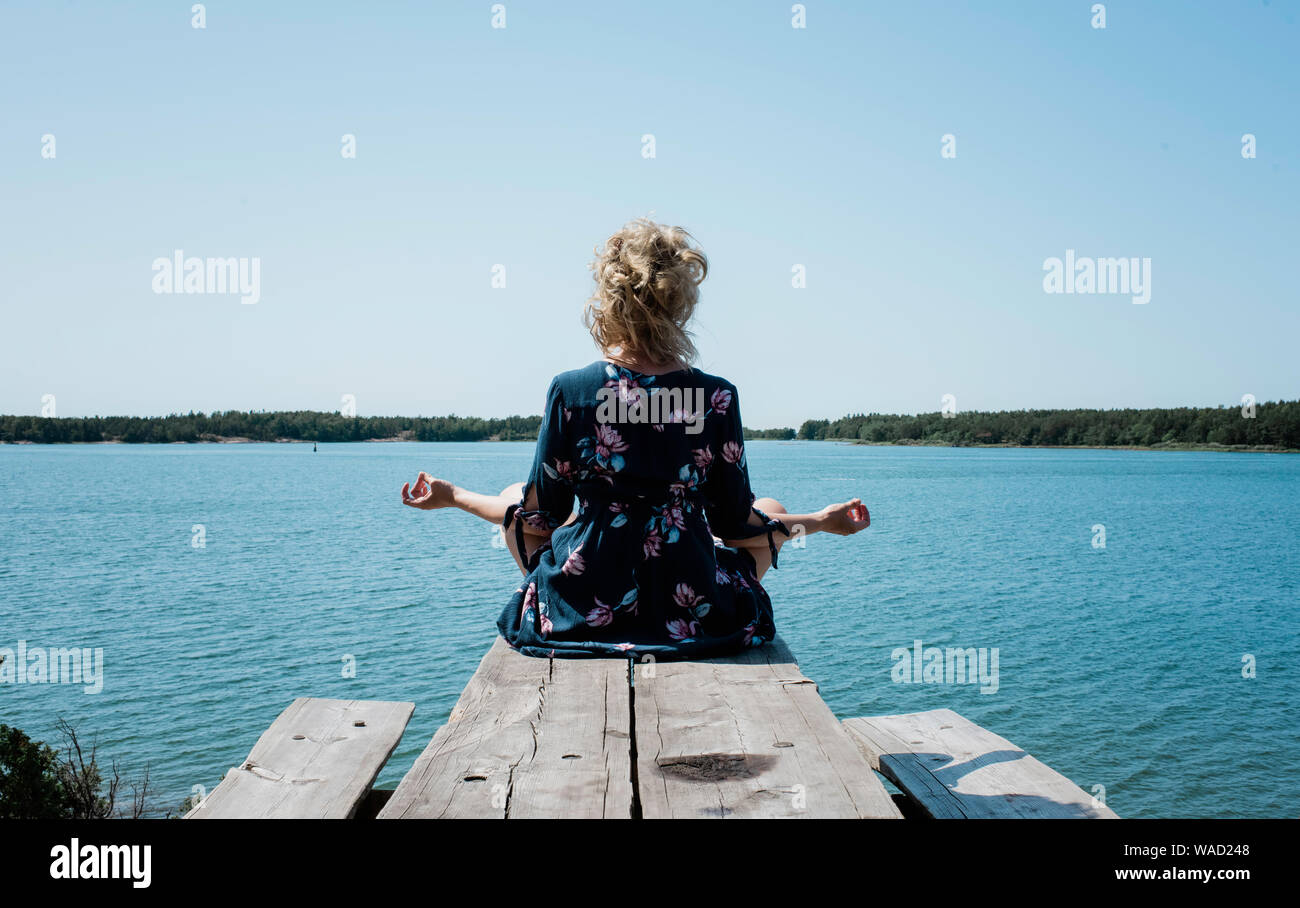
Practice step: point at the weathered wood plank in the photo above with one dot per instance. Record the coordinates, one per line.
(583, 764)
(953, 768)
(746, 736)
(529, 737)
(318, 760)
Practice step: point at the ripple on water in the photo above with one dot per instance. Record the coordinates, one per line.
(1119, 667)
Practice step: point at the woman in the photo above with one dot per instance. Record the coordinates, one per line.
(666, 549)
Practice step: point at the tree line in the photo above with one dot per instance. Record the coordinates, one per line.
(1271, 425)
(298, 425)
(778, 434)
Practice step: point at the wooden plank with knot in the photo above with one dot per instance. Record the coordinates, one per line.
(318, 760)
(746, 736)
(529, 737)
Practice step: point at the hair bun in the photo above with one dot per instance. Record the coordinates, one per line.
(647, 286)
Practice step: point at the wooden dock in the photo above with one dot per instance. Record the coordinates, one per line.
(953, 769)
(745, 736)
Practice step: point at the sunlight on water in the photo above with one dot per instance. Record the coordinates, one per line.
(1118, 666)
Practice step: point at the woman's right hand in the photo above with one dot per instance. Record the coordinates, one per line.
(428, 494)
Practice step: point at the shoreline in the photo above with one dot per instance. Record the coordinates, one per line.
(1172, 446)
(1162, 447)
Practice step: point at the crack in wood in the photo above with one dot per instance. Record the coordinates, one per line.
(631, 739)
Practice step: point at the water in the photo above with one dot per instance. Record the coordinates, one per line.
(1120, 667)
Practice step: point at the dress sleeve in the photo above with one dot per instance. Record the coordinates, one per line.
(550, 474)
(728, 495)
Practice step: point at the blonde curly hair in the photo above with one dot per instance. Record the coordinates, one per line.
(647, 284)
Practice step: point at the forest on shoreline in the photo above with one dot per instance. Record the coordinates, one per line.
(1273, 426)
(239, 425)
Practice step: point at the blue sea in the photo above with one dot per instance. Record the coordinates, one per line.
(1127, 666)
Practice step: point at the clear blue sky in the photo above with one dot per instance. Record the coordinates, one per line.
(522, 146)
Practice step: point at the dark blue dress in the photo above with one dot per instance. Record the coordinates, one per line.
(657, 465)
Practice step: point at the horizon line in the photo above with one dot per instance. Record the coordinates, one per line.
(861, 413)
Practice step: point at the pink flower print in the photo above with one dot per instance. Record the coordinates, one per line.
(703, 457)
(720, 400)
(544, 620)
(530, 601)
(568, 414)
(574, 564)
(600, 615)
(686, 597)
(680, 629)
(564, 469)
(608, 441)
(721, 576)
(629, 389)
(624, 646)
(673, 517)
(651, 543)
(732, 451)
(606, 447)
(749, 632)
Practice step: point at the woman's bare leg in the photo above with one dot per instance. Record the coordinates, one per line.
(431, 494)
(511, 495)
(533, 539)
(761, 551)
(842, 519)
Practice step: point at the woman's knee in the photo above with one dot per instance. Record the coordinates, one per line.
(513, 493)
(772, 508)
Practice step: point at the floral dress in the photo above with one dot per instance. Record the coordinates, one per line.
(657, 466)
